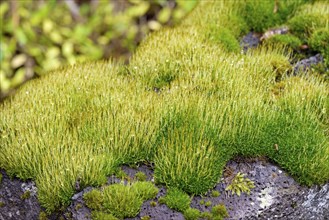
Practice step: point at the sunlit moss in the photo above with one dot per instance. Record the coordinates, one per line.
(183, 102)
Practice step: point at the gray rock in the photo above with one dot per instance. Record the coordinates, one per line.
(306, 64)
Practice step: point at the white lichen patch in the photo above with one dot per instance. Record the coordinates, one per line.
(265, 198)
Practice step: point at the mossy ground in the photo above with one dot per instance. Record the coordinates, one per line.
(185, 102)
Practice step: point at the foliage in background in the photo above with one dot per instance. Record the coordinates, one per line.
(37, 37)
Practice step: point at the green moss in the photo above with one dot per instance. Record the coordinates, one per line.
(240, 184)
(219, 211)
(94, 199)
(319, 41)
(228, 41)
(223, 37)
(192, 214)
(121, 174)
(215, 193)
(0, 178)
(146, 217)
(289, 40)
(43, 216)
(78, 206)
(176, 199)
(304, 25)
(280, 66)
(26, 195)
(126, 200)
(202, 202)
(145, 190)
(185, 173)
(208, 203)
(212, 105)
(206, 216)
(261, 15)
(2, 204)
(140, 176)
(121, 201)
(97, 215)
(153, 203)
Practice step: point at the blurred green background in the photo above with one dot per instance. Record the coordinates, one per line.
(38, 36)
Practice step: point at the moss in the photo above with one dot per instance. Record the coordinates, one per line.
(78, 206)
(26, 195)
(145, 190)
(0, 178)
(43, 216)
(192, 214)
(122, 201)
(288, 40)
(208, 203)
(97, 215)
(140, 176)
(146, 217)
(260, 15)
(220, 211)
(213, 105)
(176, 199)
(240, 184)
(2, 204)
(224, 37)
(121, 174)
(153, 203)
(93, 199)
(68, 215)
(319, 41)
(215, 193)
(280, 66)
(304, 25)
(206, 216)
(228, 41)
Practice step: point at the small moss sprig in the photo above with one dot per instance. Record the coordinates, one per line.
(240, 184)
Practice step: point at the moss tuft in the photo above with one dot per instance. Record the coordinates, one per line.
(176, 199)
(97, 215)
(153, 203)
(208, 203)
(26, 195)
(192, 214)
(145, 190)
(215, 193)
(288, 40)
(43, 216)
(94, 199)
(140, 176)
(220, 211)
(319, 41)
(304, 25)
(121, 201)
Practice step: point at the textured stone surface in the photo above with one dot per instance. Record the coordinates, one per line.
(13, 206)
(276, 196)
(305, 64)
(251, 40)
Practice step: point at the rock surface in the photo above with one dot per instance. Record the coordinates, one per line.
(306, 64)
(276, 196)
(13, 205)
